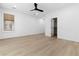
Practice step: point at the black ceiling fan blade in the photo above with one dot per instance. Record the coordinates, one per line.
(40, 10)
(35, 5)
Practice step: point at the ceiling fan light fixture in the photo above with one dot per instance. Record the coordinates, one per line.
(36, 14)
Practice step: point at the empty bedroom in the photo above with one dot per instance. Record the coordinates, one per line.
(39, 29)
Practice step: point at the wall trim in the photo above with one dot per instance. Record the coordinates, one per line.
(18, 36)
(68, 39)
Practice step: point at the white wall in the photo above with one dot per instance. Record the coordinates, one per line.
(68, 23)
(24, 25)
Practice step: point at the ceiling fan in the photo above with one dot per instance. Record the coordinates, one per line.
(36, 9)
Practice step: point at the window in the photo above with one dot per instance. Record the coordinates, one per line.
(8, 22)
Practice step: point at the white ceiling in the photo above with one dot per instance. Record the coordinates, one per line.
(26, 7)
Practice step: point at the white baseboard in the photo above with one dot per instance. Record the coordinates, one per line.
(14, 36)
(68, 39)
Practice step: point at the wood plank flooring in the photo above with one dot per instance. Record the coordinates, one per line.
(38, 45)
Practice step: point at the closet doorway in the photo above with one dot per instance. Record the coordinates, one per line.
(54, 27)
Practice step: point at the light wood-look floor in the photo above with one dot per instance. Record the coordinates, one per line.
(38, 45)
